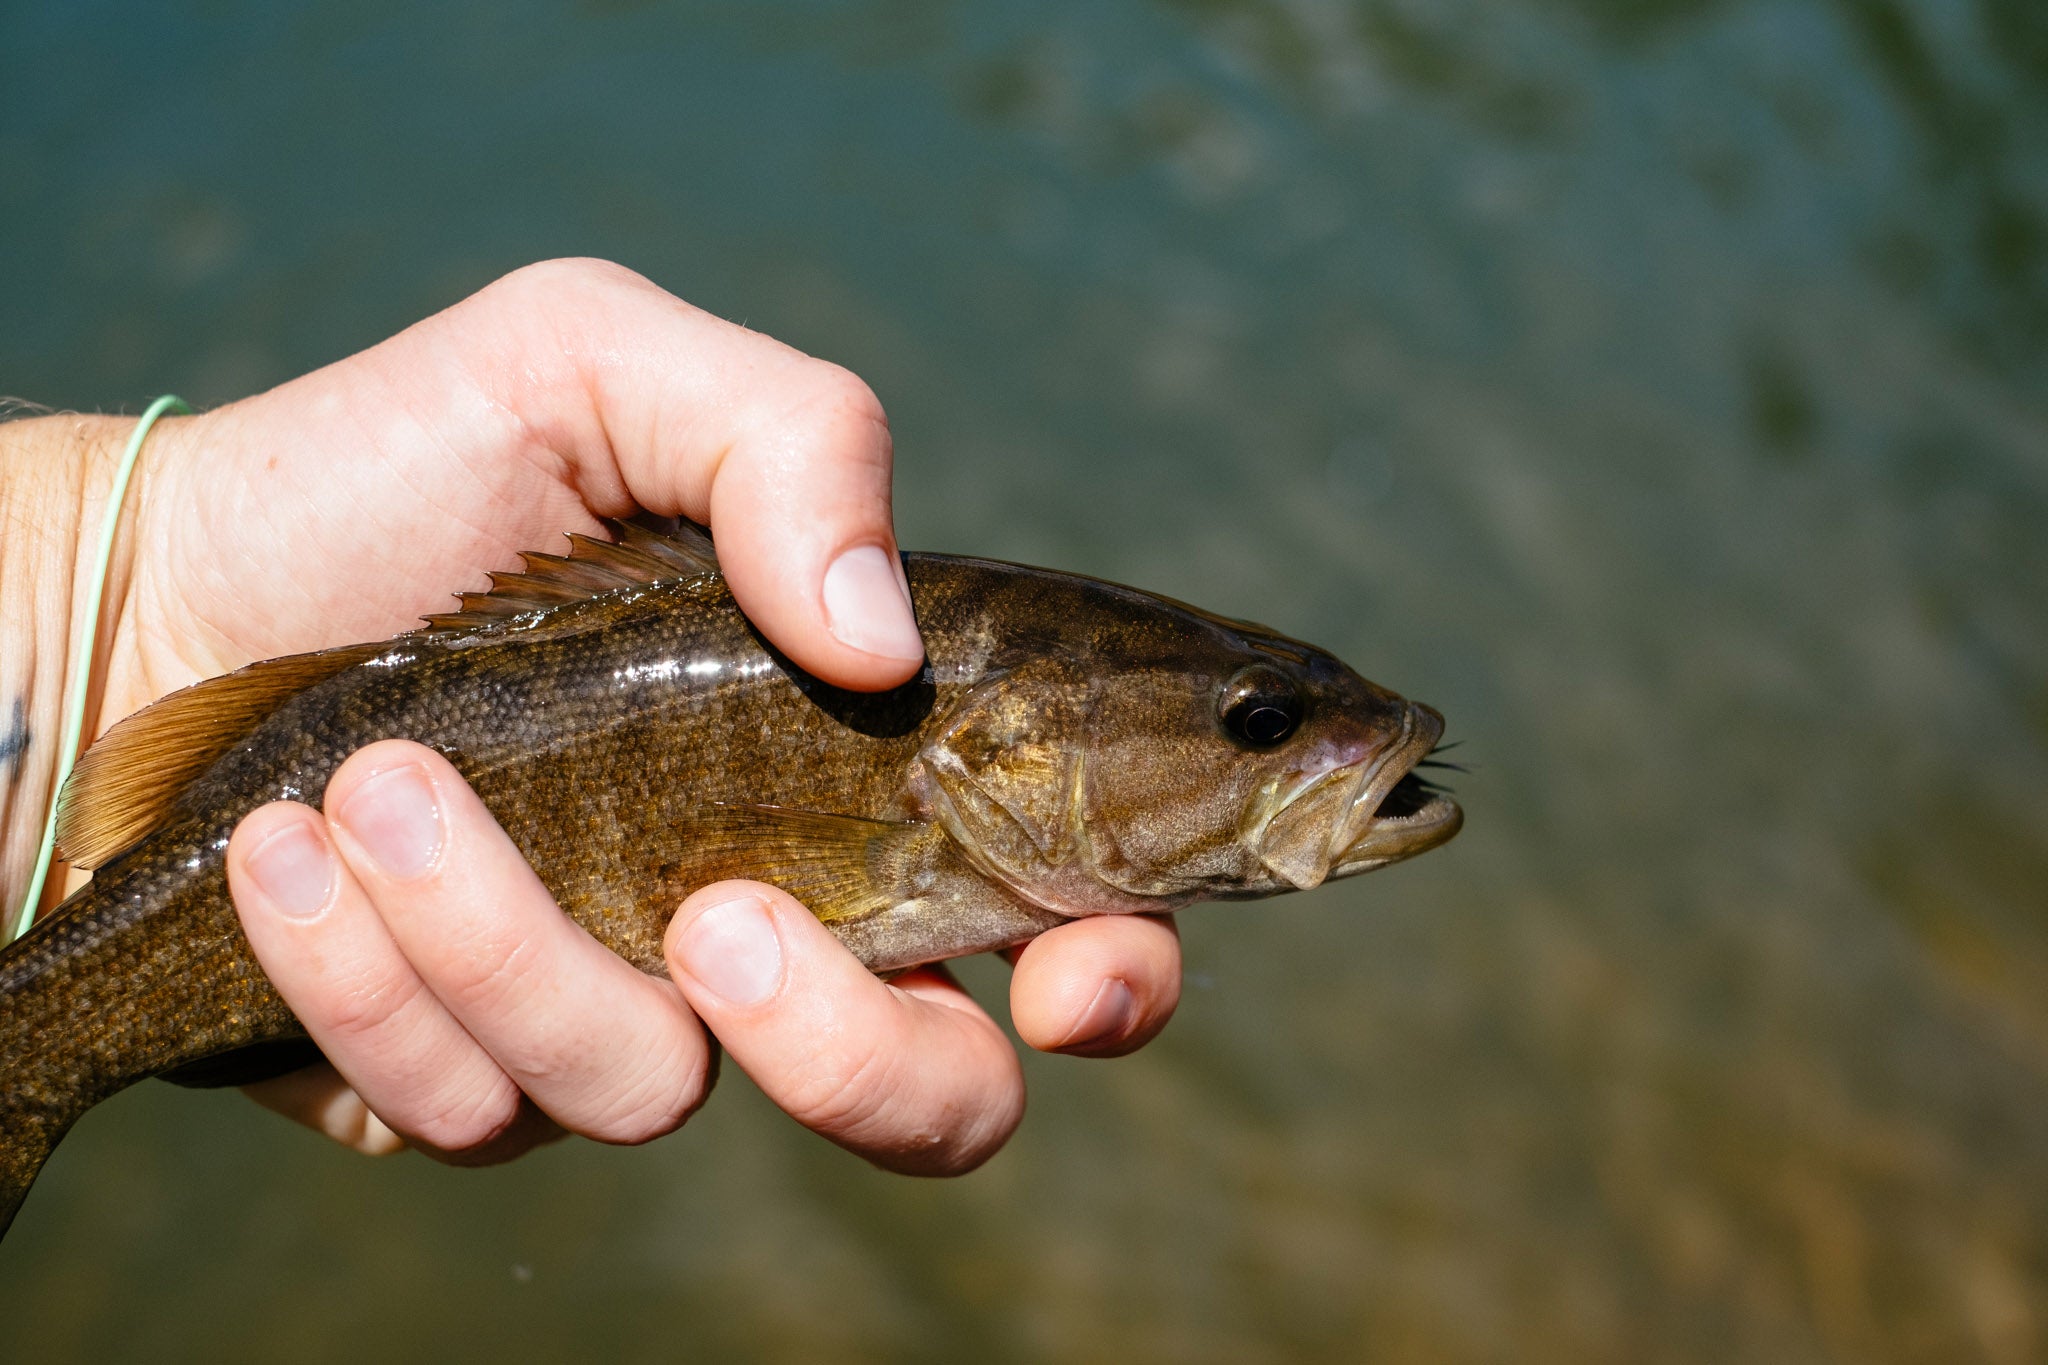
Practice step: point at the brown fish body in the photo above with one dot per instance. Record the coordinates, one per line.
(1061, 753)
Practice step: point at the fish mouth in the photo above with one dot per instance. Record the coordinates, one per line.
(1360, 817)
(1397, 814)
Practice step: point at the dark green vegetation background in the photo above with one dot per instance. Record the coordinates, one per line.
(1656, 387)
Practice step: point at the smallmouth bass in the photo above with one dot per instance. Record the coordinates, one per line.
(1071, 747)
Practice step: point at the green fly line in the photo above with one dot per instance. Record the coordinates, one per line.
(89, 624)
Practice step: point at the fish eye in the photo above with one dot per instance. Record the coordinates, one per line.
(1259, 706)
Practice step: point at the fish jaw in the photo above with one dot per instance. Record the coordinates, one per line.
(1395, 816)
(1388, 838)
(1334, 825)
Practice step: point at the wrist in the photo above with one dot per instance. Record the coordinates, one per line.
(55, 476)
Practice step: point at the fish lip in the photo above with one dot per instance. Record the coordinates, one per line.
(1347, 800)
(1367, 839)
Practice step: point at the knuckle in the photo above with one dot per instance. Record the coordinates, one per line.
(943, 1159)
(559, 277)
(841, 1093)
(366, 1008)
(483, 975)
(929, 1153)
(966, 1129)
(865, 1097)
(661, 1101)
(848, 391)
(471, 1119)
(956, 1143)
(835, 396)
(961, 1141)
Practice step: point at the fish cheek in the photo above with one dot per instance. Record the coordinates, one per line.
(1164, 810)
(1164, 788)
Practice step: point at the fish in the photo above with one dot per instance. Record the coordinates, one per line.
(1070, 747)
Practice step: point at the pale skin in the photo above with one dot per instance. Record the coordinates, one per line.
(461, 1012)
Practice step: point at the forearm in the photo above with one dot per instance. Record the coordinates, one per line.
(55, 473)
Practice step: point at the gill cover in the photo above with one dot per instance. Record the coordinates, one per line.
(1007, 779)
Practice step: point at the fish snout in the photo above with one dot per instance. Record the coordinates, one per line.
(1364, 815)
(1397, 814)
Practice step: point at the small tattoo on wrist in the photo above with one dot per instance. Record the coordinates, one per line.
(14, 740)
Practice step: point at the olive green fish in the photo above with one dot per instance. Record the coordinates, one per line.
(1070, 748)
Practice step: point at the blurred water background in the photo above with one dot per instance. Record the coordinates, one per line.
(1656, 386)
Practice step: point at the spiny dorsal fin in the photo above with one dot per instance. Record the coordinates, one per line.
(126, 783)
(592, 566)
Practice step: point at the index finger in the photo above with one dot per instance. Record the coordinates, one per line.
(787, 457)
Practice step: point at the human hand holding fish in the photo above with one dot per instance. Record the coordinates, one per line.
(342, 506)
(1052, 767)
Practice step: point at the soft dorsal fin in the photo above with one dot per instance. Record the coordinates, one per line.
(592, 566)
(125, 784)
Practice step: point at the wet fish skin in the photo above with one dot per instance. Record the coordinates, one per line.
(1061, 754)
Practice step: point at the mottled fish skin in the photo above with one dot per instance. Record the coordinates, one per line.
(628, 743)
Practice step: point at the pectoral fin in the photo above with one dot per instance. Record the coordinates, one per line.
(841, 866)
(897, 893)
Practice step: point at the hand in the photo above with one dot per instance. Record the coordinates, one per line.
(460, 1011)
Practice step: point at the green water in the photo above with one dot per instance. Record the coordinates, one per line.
(1658, 388)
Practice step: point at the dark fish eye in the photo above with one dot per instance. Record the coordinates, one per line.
(1259, 707)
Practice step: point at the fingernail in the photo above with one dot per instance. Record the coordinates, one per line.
(732, 949)
(866, 606)
(395, 818)
(1109, 1015)
(292, 868)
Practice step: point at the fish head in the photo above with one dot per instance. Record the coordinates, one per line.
(1178, 757)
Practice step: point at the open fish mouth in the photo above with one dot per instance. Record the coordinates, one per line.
(1397, 813)
(1412, 818)
(1362, 816)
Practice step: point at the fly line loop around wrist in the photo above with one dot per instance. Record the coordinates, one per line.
(89, 625)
